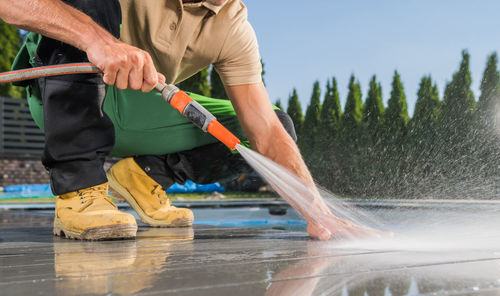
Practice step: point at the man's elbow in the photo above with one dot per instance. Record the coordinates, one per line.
(287, 123)
(4, 16)
(8, 17)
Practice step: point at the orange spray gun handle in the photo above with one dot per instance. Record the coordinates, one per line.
(197, 114)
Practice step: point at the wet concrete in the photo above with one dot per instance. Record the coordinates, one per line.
(212, 260)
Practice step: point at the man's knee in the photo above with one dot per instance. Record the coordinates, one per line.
(287, 123)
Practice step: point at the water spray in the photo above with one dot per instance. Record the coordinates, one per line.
(178, 99)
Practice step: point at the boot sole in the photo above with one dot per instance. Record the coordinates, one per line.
(108, 232)
(123, 192)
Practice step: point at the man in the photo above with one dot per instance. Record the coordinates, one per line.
(182, 37)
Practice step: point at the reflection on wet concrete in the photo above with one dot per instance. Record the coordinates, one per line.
(86, 267)
(387, 273)
(207, 260)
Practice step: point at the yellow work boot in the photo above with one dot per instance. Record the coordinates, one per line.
(146, 196)
(90, 214)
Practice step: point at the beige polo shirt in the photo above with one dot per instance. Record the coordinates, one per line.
(185, 38)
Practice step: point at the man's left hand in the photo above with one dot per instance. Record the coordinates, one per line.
(329, 227)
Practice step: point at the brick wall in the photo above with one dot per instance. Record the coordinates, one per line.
(22, 170)
(26, 170)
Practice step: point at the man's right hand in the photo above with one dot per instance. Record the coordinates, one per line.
(123, 65)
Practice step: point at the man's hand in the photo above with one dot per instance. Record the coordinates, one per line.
(327, 227)
(124, 66)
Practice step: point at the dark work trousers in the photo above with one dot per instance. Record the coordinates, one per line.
(78, 135)
(202, 165)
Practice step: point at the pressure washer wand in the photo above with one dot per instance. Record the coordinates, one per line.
(188, 107)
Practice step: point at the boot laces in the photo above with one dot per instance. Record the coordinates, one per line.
(161, 195)
(89, 195)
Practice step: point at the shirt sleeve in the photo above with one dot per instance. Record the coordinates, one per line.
(239, 61)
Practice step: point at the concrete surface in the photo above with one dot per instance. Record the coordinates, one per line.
(214, 260)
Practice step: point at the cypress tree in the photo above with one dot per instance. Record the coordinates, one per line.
(396, 115)
(329, 125)
(427, 107)
(459, 103)
(349, 139)
(217, 89)
(371, 144)
(423, 140)
(311, 123)
(295, 112)
(331, 112)
(373, 111)
(490, 89)
(423, 125)
(456, 128)
(353, 111)
(394, 156)
(198, 83)
(10, 42)
(486, 136)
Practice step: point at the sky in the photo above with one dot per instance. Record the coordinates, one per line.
(304, 41)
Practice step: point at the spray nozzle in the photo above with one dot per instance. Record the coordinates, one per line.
(197, 114)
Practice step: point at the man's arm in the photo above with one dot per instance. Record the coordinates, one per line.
(268, 137)
(123, 65)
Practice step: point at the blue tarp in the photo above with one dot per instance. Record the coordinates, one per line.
(43, 190)
(190, 186)
(27, 188)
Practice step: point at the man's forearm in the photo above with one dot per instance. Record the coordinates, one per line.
(268, 137)
(122, 65)
(282, 149)
(54, 19)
